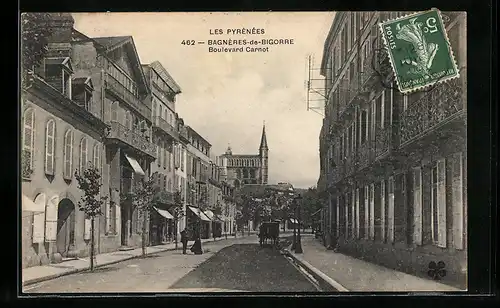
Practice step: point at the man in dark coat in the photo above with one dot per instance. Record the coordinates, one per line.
(184, 241)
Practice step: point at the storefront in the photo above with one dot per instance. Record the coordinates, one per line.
(161, 227)
(194, 217)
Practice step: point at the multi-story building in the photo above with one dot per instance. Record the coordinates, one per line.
(87, 102)
(240, 169)
(181, 171)
(165, 137)
(393, 165)
(61, 134)
(228, 208)
(125, 104)
(198, 162)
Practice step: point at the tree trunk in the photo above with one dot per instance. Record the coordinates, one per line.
(143, 237)
(175, 232)
(92, 244)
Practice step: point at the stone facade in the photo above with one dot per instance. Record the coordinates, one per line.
(393, 167)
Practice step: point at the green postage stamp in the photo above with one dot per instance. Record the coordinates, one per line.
(419, 50)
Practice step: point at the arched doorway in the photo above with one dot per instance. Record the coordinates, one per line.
(65, 226)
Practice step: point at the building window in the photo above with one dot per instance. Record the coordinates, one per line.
(49, 147)
(114, 111)
(97, 157)
(390, 214)
(169, 188)
(417, 206)
(164, 151)
(68, 154)
(382, 210)
(372, 211)
(83, 155)
(29, 137)
(128, 119)
(458, 204)
(405, 102)
(382, 110)
(438, 204)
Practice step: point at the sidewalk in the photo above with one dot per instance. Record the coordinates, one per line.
(348, 274)
(37, 274)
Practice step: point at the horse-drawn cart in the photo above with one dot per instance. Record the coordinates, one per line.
(269, 231)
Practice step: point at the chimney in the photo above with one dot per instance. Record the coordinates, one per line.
(61, 25)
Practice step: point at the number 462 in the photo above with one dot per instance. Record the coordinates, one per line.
(187, 42)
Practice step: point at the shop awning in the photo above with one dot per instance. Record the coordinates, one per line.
(293, 221)
(220, 219)
(135, 165)
(164, 213)
(31, 206)
(318, 211)
(199, 213)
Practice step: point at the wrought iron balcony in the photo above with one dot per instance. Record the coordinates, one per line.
(438, 106)
(353, 87)
(183, 134)
(165, 197)
(119, 90)
(364, 155)
(128, 137)
(166, 127)
(382, 143)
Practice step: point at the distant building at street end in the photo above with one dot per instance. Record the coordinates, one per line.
(241, 169)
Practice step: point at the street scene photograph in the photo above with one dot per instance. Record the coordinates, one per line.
(243, 152)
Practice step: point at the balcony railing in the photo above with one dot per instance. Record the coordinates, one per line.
(122, 92)
(164, 197)
(166, 127)
(353, 87)
(131, 138)
(382, 140)
(183, 134)
(364, 155)
(436, 107)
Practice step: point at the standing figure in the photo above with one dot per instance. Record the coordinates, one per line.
(184, 241)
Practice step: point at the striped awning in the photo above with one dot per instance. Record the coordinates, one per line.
(164, 213)
(293, 221)
(199, 213)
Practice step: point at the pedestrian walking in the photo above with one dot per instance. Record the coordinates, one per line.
(184, 241)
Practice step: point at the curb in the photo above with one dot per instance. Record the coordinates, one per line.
(317, 274)
(78, 270)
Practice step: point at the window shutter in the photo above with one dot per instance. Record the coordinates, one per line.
(353, 214)
(346, 215)
(87, 229)
(51, 219)
(390, 215)
(117, 222)
(458, 206)
(49, 147)
(39, 220)
(367, 213)
(382, 210)
(357, 212)
(338, 215)
(417, 206)
(441, 198)
(107, 211)
(372, 211)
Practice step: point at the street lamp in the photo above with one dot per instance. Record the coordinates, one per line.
(298, 246)
(197, 242)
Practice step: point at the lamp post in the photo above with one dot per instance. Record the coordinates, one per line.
(298, 246)
(294, 244)
(197, 242)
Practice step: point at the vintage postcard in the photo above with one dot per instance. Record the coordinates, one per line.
(243, 152)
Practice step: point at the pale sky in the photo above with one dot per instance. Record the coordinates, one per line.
(227, 96)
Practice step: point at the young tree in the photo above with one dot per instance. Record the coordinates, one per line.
(218, 210)
(177, 210)
(142, 199)
(91, 203)
(35, 32)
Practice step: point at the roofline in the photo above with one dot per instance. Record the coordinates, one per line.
(175, 84)
(194, 131)
(332, 34)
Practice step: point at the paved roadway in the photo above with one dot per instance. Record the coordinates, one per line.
(233, 264)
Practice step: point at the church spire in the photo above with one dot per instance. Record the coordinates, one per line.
(263, 139)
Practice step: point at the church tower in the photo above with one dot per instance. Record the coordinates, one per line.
(263, 154)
